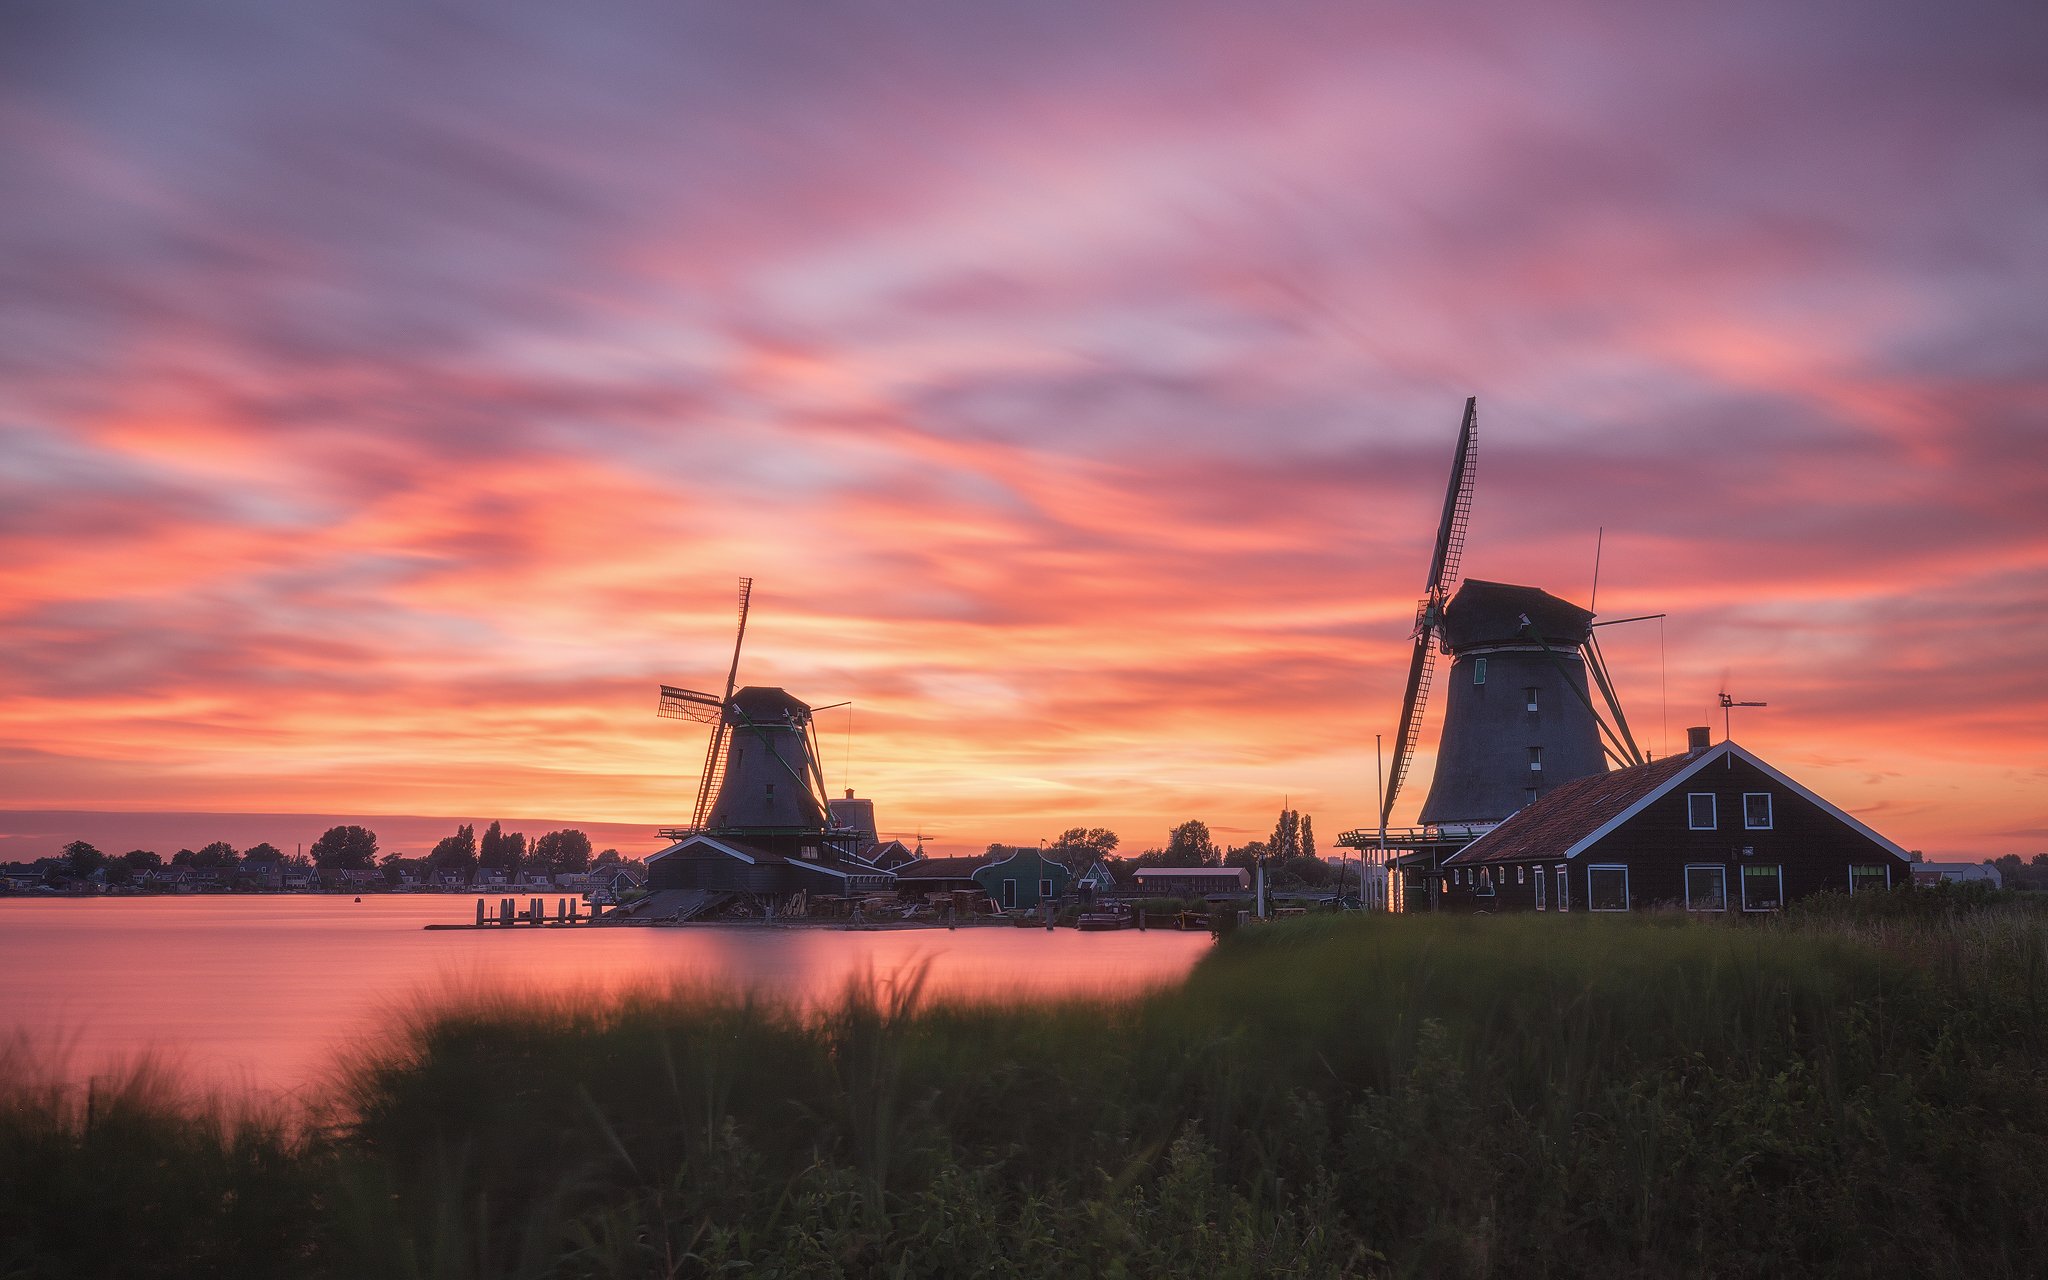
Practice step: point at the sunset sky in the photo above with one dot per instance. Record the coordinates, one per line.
(392, 393)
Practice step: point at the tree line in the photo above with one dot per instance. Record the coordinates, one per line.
(1289, 852)
(354, 848)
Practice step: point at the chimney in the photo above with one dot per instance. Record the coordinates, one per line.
(1698, 739)
(849, 793)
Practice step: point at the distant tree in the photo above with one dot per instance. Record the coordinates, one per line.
(501, 851)
(183, 858)
(81, 859)
(563, 851)
(298, 861)
(218, 854)
(142, 859)
(456, 852)
(1245, 855)
(1083, 845)
(265, 852)
(346, 849)
(609, 858)
(1191, 845)
(1308, 837)
(2010, 869)
(117, 871)
(1284, 845)
(1313, 872)
(996, 849)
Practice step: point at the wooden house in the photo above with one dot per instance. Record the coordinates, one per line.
(1023, 878)
(1716, 829)
(727, 863)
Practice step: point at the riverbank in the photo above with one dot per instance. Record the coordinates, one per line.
(1855, 1088)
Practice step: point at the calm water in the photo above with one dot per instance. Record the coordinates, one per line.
(262, 990)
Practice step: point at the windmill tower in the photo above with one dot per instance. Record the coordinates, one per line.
(1519, 720)
(761, 778)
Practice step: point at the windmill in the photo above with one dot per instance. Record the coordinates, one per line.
(762, 776)
(1520, 719)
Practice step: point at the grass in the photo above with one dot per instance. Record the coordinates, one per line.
(1855, 1088)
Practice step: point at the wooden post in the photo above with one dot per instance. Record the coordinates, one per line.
(479, 913)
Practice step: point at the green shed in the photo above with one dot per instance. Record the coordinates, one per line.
(1023, 879)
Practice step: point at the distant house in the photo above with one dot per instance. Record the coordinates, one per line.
(929, 876)
(1932, 873)
(296, 878)
(1716, 829)
(1023, 878)
(890, 854)
(1095, 876)
(1184, 882)
(264, 875)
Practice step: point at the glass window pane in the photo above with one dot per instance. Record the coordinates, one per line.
(1762, 888)
(1700, 811)
(1706, 888)
(1756, 810)
(1607, 888)
(1862, 879)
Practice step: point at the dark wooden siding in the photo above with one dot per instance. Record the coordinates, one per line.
(1814, 848)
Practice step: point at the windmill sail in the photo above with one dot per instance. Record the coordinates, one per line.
(714, 756)
(687, 704)
(1429, 612)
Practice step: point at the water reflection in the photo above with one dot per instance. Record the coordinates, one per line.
(262, 990)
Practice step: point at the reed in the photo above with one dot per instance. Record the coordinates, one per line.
(1854, 1088)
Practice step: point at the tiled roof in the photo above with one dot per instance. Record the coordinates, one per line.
(940, 868)
(1191, 871)
(1568, 815)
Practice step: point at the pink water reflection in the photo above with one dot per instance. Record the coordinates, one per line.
(263, 990)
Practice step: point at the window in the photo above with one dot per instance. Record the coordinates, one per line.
(1564, 889)
(1699, 811)
(1009, 894)
(1478, 671)
(1044, 889)
(1532, 699)
(771, 790)
(1528, 795)
(1706, 888)
(1536, 759)
(1763, 888)
(1756, 810)
(1863, 879)
(1518, 875)
(1486, 882)
(1606, 888)
(1539, 888)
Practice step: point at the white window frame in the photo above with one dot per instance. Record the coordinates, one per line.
(1044, 890)
(1009, 895)
(1691, 867)
(1607, 866)
(1518, 875)
(1534, 702)
(1483, 882)
(1535, 759)
(1852, 873)
(1537, 878)
(1713, 811)
(1564, 887)
(1779, 905)
(1764, 796)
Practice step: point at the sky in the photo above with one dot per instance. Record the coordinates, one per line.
(391, 395)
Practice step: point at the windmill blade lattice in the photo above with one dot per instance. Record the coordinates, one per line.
(1429, 612)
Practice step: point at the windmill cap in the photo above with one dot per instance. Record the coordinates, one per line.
(770, 706)
(1492, 613)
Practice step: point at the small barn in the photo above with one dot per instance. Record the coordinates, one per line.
(1717, 829)
(1023, 878)
(723, 863)
(927, 877)
(1189, 882)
